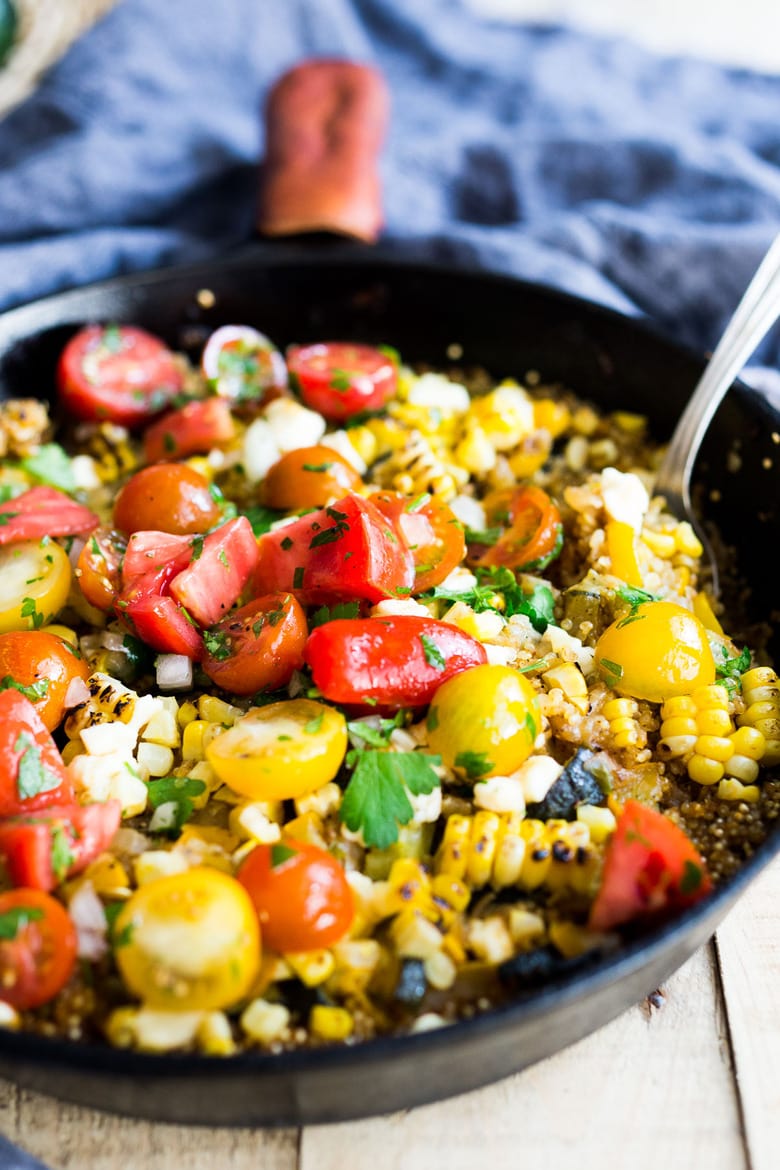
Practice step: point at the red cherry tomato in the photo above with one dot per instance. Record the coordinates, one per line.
(651, 866)
(43, 511)
(432, 532)
(116, 373)
(45, 666)
(341, 378)
(301, 895)
(257, 647)
(153, 551)
(388, 661)
(219, 570)
(146, 609)
(99, 565)
(37, 948)
(308, 477)
(168, 496)
(32, 774)
(192, 430)
(42, 849)
(243, 365)
(344, 552)
(534, 534)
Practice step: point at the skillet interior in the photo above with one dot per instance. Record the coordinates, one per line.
(295, 293)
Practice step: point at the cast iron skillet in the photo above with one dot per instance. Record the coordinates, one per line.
(299, 292)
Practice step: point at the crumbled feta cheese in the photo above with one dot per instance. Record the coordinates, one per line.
(426, 806)
(567, 647)
(536, 777)
(292, 425)
(499, 655)
(436, 390)
(399, 608)
(260, 450)
(500, 794)
(470, 513)
(625, 496)
(110, 777)
(340, 442)
(85, 476)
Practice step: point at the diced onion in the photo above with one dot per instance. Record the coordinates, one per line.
(86, 911)
(174, 672)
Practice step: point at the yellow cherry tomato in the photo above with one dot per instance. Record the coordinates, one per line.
(483, 721)
(281, 751)
(658, 651)
(189, 942)
(34, 584)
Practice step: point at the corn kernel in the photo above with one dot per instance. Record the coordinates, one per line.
(758, 676)
(475, 452)
(489, 939)
(215, 710)
(158, 863)
(572, 682)
(186, 713)
(687, 541)
(742, 768)
(681, 706)
(748, 741)
(312, 967)
(330, 1023)
(448, 889)
(679, 725)
(572, 940)
(264, 1021)
(618, 708)
(414, 936)
(484, 833)
(157, 760)
(193, 741)
(526, 928)
(72, 748)
(735, 790)
(440, 971)
(660, 543)
(510, 855)
(214, 1036)
(551, 416)
(453, 853)
(162, 729)
(714, 747)
(714, 721)
(65, 632)
(672, 747)
(601, 822)
(704, 770)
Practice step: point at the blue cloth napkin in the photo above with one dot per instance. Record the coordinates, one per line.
(646, 183)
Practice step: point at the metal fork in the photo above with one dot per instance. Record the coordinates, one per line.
(752, 319)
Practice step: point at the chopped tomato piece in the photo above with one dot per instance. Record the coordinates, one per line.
(168, 496)
(43, 512)
(432, 532)
(340, 378)
(388, 661)
(37, 948)
(243, 365)
(98, 569)
(152, 552)
(145, 608)
(40, 666)
(116, 373)
(218, 571)
(347, 551)
(32, 774)
(191, 430)
(42, 849)
(651, 866)
(534, 533)
(257, 647)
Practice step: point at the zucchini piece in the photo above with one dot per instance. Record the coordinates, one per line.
(584, 780)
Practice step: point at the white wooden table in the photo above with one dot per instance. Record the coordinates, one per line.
(694, 1083)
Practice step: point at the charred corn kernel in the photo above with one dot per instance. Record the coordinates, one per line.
(573, 940)
(440, 971)
(475, 452)
(210, 836)
(735, 790)
(186, 714)
(157, 760)
(748, 741)
(536, 863)
(453, 853)
(109, 699)
(322, 801)
(330, 1023)
(307, 827)
(489, 939)
(414, 936)
(742, 768)
(526, 928)
(686, 540)
(448, 889)
(214, 1036)
(65, 632)
(265, 1022)
(215, 710)
(162, 729)
(713, 696)
(702, 607)
(568, 678)
(312, 967)
(452, 945)
(714, 747)
(704, 770)
(621, 550)
(409, 883)
(551, 416)
(760, 684)
(660, 543)
(601, 822)
(108, 876)
(510, 854)
(257, 820)
(485, 827)
(585, 420)
(715, 721)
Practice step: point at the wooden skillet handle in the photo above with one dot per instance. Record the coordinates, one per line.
(325, 125)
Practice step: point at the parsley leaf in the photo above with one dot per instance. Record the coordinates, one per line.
(217, 644)
(50, 465)
(61, 855)
(498, 589)
(281, 853)
(33, 776)
(433, 655)
(34, 692)
(376, 799)
(344, 609)
(15, 919)
(179, 792)
(729, 670)
(30, 610)
(474, 764)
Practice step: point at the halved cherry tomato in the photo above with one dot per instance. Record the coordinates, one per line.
(389, 661)
(43, 849)
(116, 373)
(651, 866)
(346, 551)
(342, 378)
(534, 535)
(218, 571)
(301, 895)
(35, 579)
(44, 666)
(191, 430)
(99, 565)
(432, 532)
(43, 512)
(153, 551)
(257, 647)
(38, 946)
(145, 608)
(171, 497)
(309, 477)
(243, 365)
(32, 774)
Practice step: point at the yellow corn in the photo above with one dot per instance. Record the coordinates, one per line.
(569, 679)
(704, 770)
(215, 1037)
(215, 710)
(735, 790)
(761, 692)
(186, 713)
(551, 416)
(312, 967)
(660, 543)
(686, 540)
(330, 1023)
(623, 726)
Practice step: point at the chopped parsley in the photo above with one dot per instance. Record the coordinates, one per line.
(433, 655)
(217, 644)
(262, 519)
(729, 670)
(611, 672)
(281, 853)
(498, 589)
(33, 776)
(50, 465)
(474, 764)
(316, 467)
(34, 692)
(178, 792)
(344, 609)
(328, 535)
(30, 610)
(376, 800)
(298, 578)
(16, 919)
(61, 854)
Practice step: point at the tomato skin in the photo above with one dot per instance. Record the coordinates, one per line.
(191, 430)
(309, 477)
(39, 961)
(27, 841)
(366, 560)
(32, 573)
(218, 572)
(341, 378)
(168, 496)
(99, 567)
(43, 511)
(301, 895)
(533, 536)
(387, 660)
(243, 365)
(37, 657)
(146, 609)
(650, 867)
(257, 646)
(658, 651)
(119, 374)
(432, 532)
(18, 717)
(154, 551)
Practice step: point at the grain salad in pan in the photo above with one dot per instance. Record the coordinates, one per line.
(340, 698)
